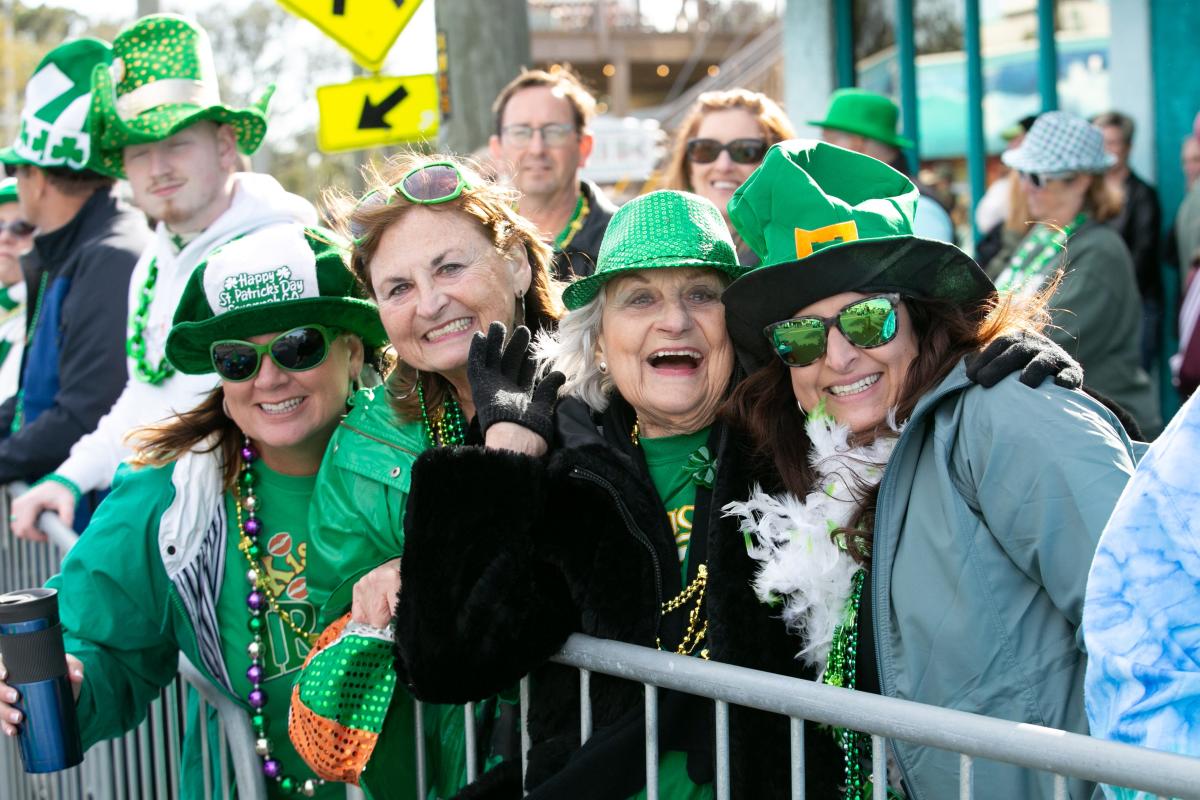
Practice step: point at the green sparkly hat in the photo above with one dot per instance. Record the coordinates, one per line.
(825, 220)
(8, 191)
(163, 79)
(277, 278)
(864, 113)
(658, 230)
(54, 120)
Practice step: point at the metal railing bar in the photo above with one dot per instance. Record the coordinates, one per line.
(60, 535)
(966, 777)
(469, 733)
(419, 734)
(159, 744)
(879, 776)
(1060, 787)
(721, 720)
(796, 737)
(651, 742)
(205, 764)
(246, 770)
(982, 737)
(223, 761)
(585, 706)
(526, 742)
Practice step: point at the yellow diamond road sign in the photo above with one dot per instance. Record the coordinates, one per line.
(367, 28)
(372, 112)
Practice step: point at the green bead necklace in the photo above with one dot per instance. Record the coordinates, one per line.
(448, 427)
(135, 347)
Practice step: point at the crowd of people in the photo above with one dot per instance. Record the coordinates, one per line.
(770, 415)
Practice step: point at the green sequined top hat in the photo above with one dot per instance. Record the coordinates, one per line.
(865, 113)
(8, 191)
(163, 79)
(661, 229)
(825, 220)
(274, 279)
(54, 119)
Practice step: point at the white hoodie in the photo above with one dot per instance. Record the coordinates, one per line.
(258, 200)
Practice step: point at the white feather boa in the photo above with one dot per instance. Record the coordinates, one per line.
(800, 566)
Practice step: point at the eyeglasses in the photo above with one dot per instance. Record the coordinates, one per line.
(19, 228)
(426, 185)
(1040, 179)
(296, 350)
(554, 134)
(866, 323)
(741, 151)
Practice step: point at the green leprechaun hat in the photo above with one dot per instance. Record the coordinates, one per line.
(274, 279)
(54, 119)
(162, 79)
(869, 114)
(659, 230)
(825, 220)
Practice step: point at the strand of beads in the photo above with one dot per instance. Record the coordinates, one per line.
(135, 347)
(448, 427)
(259, 599)
(696, 632)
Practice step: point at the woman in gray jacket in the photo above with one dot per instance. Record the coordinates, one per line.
(935, 541)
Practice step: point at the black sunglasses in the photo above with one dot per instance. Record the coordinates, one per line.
(296, 350)
(866, 323)
(1040, 179)
(18, 228)
(741, 151)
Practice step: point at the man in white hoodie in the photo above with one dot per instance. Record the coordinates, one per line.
(158, 120)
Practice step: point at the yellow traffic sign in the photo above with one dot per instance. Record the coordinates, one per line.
(366, 28)
(372, 112)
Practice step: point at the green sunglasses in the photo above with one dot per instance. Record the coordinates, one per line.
(297, 350)
(865, 323)
(427, 185)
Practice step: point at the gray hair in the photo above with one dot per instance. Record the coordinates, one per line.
(572, 351)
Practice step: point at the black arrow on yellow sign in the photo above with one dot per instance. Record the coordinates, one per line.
(339, 7)
(373, 113)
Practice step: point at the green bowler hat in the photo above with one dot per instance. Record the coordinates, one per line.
(163, 79)
(54, 119)
(659, 230)
(825, 220)
(865, 113)
(272, 280)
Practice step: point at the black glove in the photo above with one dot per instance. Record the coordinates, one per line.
(1034, 355)
(502, 383)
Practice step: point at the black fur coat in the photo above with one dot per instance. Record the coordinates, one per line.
(507, 555)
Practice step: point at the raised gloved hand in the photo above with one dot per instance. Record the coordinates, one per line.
(502, 383)
(1033, 355)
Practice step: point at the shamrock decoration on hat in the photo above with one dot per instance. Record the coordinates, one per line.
(825, 220)
(866, 114)
(54, 120)
(271, 280)
(163, 79)
(662, 229)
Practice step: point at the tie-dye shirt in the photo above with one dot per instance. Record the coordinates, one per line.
(1143, 600)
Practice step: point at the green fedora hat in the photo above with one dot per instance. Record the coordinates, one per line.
(54, 128)
(163, 79)
(865, 113)
(825, 220)
(659, 230)
(277, 278)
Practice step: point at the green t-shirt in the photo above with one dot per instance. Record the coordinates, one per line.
(665, 458)
(283, 510)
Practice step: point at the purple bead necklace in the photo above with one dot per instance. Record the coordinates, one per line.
(258, 601)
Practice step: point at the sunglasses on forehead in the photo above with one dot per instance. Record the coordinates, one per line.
(297, 350)
(741, 151)
(427, 185)
(865, 323)
(18, 228)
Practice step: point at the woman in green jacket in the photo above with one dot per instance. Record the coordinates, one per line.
(935, 539)
(201, 549)
(444, 254)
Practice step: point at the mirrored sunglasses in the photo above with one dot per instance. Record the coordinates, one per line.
(18, 228)
(741, 151)
(296, 350)
(865, 323)
(426, 185)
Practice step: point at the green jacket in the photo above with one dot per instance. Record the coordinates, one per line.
(988, 515)
(356, 523)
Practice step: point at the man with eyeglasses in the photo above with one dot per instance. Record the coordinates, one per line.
(541, 142)
(159, 122)
(84, 249)
(16, 238)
